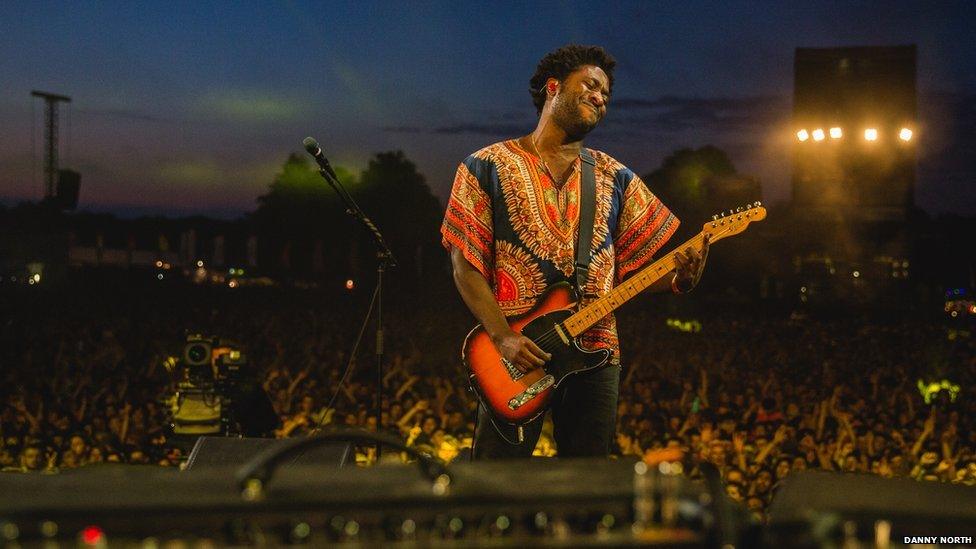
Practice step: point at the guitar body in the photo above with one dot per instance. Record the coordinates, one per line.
(514, 398)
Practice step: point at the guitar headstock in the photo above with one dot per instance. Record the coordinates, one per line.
(733, 222)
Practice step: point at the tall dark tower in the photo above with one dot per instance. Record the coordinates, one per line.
(51, 101)
(854, 116)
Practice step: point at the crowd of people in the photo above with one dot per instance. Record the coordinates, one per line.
(760, 394)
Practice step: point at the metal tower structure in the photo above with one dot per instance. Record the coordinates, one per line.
(51, 137)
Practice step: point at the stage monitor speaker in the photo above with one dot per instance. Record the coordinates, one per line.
(229, 451)
(69, 183)
(814, 507)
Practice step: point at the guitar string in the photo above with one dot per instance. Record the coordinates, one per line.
(551, 336)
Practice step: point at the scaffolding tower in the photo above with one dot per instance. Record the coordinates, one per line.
(51, 139)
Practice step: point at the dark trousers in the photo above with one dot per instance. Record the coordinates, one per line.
(584, 416)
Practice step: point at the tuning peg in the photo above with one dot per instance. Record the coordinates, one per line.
(758, 203)
(715, 217)
(739, 209)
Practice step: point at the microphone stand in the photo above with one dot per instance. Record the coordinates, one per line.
(385, 259)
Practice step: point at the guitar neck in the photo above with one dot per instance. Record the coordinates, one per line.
(717, 229)
(589, 315)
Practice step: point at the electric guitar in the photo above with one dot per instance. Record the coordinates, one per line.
(555, 323)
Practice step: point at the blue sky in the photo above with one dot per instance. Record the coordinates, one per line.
(190, 107)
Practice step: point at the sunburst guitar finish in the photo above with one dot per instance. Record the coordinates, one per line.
(516, 398)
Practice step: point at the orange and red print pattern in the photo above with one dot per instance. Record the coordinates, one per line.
(519, 227)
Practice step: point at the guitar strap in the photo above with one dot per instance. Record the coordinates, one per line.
(587, 218)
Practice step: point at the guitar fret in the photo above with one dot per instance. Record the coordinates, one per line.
(592, 313)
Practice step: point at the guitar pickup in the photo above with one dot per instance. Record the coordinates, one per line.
(513, 372)
(531, 392)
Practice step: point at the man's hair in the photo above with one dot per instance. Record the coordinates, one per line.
(560, 63)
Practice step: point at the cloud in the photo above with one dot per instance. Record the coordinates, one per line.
(481, 129)
(122, 113)
(403, 129)
(250, 107)
(672, 113)
(473, 128)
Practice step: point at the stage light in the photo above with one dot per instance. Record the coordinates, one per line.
(92, 536)
(857, 274)
(199, 263)
(836, 133)
(159, 264)
(802, 135)
(350, 284)
(818, 134)
(905, 134)
(871, 134)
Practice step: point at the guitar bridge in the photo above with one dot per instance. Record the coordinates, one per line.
(513, 372)
(520, 399)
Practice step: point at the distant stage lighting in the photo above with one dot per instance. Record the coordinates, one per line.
(905, 134)
(871, 134)
(818, 134)
(802, 135)
(836, 133)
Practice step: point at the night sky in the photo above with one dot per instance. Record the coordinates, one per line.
(191, 107)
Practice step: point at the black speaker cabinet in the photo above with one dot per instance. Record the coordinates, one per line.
(815, 507)
(227, 451)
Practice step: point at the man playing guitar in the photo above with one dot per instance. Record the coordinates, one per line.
(512, 225)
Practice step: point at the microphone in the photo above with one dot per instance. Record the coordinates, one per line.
(312, 146)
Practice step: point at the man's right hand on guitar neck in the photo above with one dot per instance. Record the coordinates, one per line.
(520, 351)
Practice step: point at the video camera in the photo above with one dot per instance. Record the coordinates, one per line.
(216, 391)
(208, 360)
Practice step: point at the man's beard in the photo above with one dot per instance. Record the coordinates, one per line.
(567, 116)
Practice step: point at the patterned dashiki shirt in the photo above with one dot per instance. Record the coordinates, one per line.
(516, 226)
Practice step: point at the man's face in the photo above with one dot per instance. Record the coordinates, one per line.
(763, 481)
(78, 446)
(581, 100)
(32, 458)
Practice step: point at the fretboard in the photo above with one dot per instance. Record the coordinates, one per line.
(589, 315)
